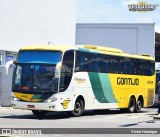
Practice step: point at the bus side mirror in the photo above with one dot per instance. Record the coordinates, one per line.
(58, 70)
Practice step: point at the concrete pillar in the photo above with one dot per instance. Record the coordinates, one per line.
(5, 86)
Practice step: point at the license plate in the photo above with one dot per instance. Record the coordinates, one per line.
(31, 106)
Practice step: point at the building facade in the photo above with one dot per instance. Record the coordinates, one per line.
(6, 56)
(131, 38)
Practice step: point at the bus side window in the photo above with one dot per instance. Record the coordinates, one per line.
(81, 63)
(93, 63)
(78, 62)
(67, 70)
(141, 67)
(121, 65)
(114, 64)
(97, 64)
(117, 65)
(127, 66)
(104, 64)
(151, 68)
(134, 66)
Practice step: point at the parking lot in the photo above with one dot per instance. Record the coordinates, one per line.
(112, 121)
(16, 118)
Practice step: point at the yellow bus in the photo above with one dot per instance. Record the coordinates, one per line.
(78, 78)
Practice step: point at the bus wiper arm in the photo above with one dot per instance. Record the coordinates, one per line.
(38, 83)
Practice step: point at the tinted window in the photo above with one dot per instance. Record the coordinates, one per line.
(50, 57)
(106, 63)
(92, 62)
(67, 70)
(81, 61)
(117, 64)
(127, 66)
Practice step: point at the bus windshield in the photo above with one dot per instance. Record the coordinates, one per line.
(35, 71)
(35, 78)
(51, 57)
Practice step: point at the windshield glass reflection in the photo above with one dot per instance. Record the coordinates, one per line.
(35, 78)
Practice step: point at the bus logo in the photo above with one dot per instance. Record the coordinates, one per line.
(80, 80)
(127, 81)
(65, 103)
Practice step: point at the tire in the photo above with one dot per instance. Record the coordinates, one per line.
(138, 106)
(131, 105)
(39, 113)
(78, 108)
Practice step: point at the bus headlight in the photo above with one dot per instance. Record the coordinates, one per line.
(15, 99)
(50, 100)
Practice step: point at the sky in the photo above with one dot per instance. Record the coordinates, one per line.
(27, 22)
(115, 11)
(33, 22)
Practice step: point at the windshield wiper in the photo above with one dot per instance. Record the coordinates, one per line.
(38, 83)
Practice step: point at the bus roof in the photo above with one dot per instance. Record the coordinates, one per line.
(47, 47)
(116, 52)
(87, 48)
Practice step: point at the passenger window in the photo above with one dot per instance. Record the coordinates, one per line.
(104, 64)
(93, 63)
(101, 63)
(127, 68)
(81, 61)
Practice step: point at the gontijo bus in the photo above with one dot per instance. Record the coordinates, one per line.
(78, 78)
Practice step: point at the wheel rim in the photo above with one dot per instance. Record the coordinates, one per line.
(77, 107)
(132, 105)
(139, 105)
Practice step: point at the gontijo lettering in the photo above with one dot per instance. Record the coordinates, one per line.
(127, 81)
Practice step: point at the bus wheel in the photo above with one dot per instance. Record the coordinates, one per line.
(39, 114)
(131, 105)
(138, 106)
(78, 108)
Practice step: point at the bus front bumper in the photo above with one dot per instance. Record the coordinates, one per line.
(52, 106)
